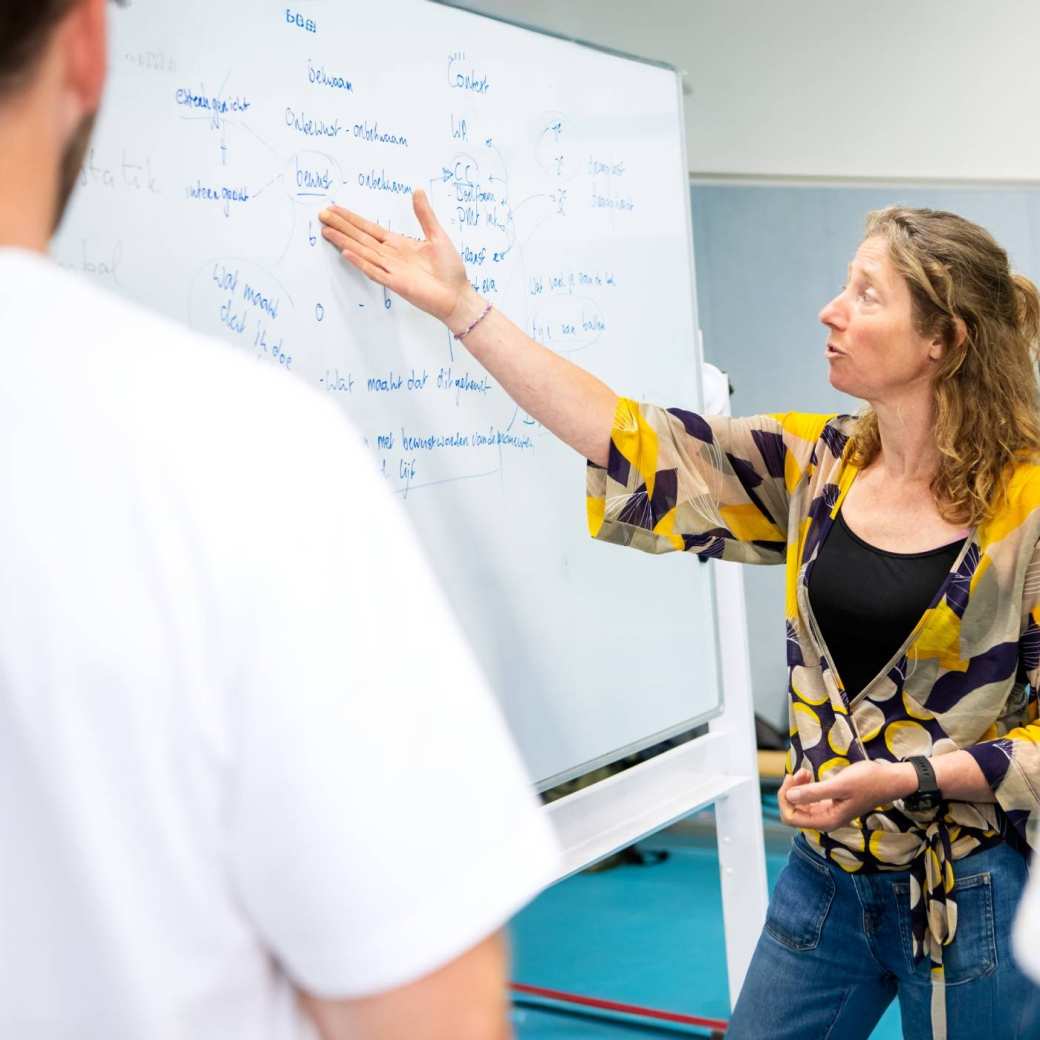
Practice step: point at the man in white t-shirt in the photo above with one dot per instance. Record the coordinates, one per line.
(251, 782)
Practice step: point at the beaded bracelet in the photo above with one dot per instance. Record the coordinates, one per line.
(460, 336)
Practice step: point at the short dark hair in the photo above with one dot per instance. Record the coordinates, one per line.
(25, 26)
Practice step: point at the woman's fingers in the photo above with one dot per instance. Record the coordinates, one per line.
(351, 230)
(346, 243)
(425, 215)
(809, 793)
(377, 274)
(821, 816)
(782, 802)
(811, 815)
(342, 218)
(790, 782)
(351, 226)
(795, 780)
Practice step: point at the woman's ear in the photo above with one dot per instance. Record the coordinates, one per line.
(937, 347)
(952, 336)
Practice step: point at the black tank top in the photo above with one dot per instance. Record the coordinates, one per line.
(867, 601)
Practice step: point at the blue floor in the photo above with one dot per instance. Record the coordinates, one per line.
(645, 935)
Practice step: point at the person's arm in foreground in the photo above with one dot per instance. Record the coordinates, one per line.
(367, 742)
(567, 400)
(465, 1000)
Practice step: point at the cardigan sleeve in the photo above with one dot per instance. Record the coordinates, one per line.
(1010, 760)
(711, 485)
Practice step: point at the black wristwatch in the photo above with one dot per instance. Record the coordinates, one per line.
(927, 796)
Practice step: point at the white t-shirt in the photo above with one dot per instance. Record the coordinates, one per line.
(241, 738)
(1026, 936)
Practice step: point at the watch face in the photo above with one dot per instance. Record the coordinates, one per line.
(922, 801)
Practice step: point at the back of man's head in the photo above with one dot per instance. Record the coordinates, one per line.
(25, 28)
(52, 70)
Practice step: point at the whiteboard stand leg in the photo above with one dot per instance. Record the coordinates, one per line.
(743, 878)
(738, 814)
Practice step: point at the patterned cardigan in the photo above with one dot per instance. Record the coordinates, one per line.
(766, 489)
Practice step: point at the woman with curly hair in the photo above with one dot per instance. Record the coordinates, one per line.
(909, 534)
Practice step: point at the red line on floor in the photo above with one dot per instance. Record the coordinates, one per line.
(627, 1009)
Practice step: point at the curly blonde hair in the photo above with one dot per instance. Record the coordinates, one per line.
(987, 400)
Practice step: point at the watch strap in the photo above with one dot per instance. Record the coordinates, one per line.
(926, 781)
(926, 774)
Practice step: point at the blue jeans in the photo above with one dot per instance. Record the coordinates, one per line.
(836, 949)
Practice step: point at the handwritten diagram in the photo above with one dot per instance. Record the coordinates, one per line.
(246, 158)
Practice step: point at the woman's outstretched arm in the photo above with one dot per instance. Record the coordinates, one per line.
(570, 402)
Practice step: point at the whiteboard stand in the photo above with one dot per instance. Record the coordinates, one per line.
(738, 813)
(719, 768)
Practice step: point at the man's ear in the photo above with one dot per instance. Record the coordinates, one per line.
(83, 37)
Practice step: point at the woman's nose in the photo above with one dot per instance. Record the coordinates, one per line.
(832, 314)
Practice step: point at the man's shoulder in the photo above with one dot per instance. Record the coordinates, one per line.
(146, 401)
(164, 374)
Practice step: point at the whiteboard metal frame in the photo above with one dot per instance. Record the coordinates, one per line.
(516, 23)
(619, 754)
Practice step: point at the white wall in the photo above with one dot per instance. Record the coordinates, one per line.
(945, 89)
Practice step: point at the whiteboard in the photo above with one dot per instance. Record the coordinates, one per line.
(559, 172)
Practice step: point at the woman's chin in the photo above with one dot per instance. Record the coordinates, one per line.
(843, 385)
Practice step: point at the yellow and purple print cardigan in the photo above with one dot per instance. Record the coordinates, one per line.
(766, 490)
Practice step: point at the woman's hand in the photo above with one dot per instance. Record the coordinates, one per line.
(565, 399)
(429, 274)
(857, 789)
